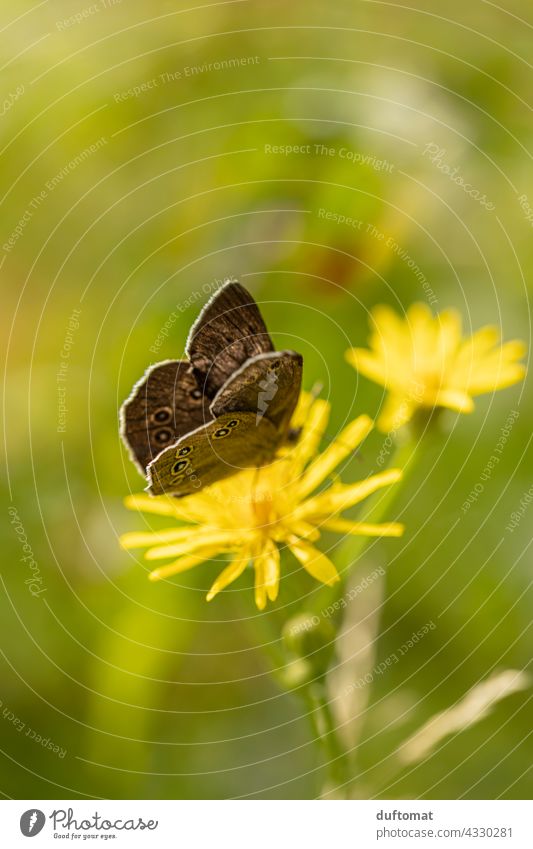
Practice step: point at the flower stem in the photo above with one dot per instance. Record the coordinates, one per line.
(336, 759)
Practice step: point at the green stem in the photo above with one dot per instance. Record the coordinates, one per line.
(336, 759)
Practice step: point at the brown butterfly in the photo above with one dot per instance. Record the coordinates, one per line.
(189, 423)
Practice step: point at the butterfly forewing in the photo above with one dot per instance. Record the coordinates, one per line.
(267, 385)
(232, 442)
(228, 331)
(165, 404)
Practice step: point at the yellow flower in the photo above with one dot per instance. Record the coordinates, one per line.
(257, 511)
(423, 361)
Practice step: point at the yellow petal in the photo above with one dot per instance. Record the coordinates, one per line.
(368, 364)
(139, 539)
(316, 563)
(271, 570)
(484, 366)
(481, 342)
(424, 333)
(448, 337)
(419, 315)
(498, 378)
(230, 574)
(507, 354)
(396, 411)
(345, 444)
(199, 538)
(454, 399)
(391, 333)
(304, 530)
(266, 565)
(514, 350)
(303, 408)
(182, 564)
(259, 585)
(339, 498)
(345, 526)
(163, 505)
(498, 369)
(312, 432)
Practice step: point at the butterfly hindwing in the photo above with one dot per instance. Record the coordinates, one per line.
(267, 385)
(228, 331)
(165, 404)
(232, 442)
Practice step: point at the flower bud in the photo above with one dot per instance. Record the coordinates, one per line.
(310, 638)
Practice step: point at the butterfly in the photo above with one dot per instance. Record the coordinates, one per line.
(228, 406)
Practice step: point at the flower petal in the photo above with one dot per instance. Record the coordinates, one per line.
(266, 565)
(259, 585)
(303, 408)
(304, 530)
(230, 574)
(339, 498)
(199, 539)
(368, 364)
(396, 411)
(272, 570)
(454, 399)
(163, 505)
(498, 369)
(316, 563)
(182, 564)
(140, 539)
(500, 379)
(390, 331)
(346, 526)
(480, 343)
(449, 333)
(312, 432)
(345, 444)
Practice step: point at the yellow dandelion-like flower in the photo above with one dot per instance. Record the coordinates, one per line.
(424, 361)
(257, 511)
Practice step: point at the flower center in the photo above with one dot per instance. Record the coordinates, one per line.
(425, 385)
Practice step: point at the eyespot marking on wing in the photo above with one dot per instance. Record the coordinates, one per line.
(163, 435)
(184, 450)
(178, 467)
(222, 432)
(162, 416)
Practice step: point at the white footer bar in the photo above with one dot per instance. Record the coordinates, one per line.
(267, 824)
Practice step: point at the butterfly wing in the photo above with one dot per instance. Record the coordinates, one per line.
(215, 451)
(267, 385)
(228, 331)
(165, 404)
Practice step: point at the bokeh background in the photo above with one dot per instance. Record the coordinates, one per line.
(139, 167)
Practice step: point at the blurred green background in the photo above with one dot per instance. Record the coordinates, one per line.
(138, 167)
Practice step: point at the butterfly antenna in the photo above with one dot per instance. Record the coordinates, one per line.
(316, 389)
